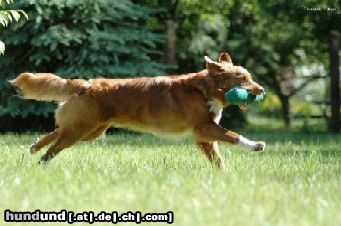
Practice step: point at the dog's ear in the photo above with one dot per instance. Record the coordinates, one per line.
(225, 58)
(212, 65)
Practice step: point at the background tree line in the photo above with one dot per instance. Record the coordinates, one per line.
(286, 45)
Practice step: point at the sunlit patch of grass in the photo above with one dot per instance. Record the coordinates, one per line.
(296, 181)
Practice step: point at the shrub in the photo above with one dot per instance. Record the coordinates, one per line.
(76, 39)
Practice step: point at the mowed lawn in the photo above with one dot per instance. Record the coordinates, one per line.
(296, 181)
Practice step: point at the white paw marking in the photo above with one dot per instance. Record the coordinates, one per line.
(253, 145)
(260, 146)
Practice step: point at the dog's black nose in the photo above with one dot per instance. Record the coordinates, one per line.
(257, 90)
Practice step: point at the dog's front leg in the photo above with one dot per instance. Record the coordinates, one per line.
(211, 151)
(212, 132)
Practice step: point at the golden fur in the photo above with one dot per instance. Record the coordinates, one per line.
(170, 105)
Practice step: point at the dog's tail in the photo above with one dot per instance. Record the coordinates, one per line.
(45, 86)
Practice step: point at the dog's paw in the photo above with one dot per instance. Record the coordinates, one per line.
(33, 150)
(259, 146)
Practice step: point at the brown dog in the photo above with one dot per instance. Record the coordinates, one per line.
(166, 105)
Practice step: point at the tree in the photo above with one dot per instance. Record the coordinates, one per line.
(302, 40)
(326, 18)
(77, 39)
(166, 21)
(6, 17)
(273, 39)
(182, 21)
(335, 81)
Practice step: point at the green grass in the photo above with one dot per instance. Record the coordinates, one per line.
(296, 181)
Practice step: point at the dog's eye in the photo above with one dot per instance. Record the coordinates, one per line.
(241, 76)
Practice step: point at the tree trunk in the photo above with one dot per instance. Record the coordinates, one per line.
(170, 46)
(285, 110)
(334, 81)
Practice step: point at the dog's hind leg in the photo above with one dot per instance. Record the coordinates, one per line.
(45, 140)
(211, 150)
(77, 119)
(95, 134)
(66, 138)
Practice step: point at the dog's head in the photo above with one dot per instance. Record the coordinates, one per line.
(227, 76)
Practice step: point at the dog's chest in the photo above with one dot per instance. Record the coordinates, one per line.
(216, 107)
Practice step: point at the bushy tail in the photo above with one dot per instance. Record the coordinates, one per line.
(45, 86)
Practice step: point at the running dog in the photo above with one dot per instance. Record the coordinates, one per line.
(165, 105)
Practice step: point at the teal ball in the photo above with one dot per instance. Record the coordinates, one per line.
(238, 95)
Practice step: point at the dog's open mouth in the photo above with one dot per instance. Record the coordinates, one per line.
(251, 92)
